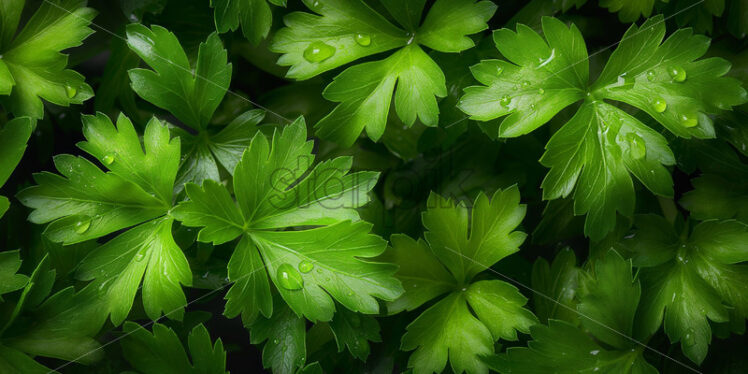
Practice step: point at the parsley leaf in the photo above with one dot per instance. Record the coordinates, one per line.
(276, 188)
(31, 65)
(464, 324)
(254, 15)
(593, 154)
(161, 352)
(690, 279)
(284, 334)
(13, 138)
(345, 31)
(354, 331)
(10, 262)
(559, 281)
(629, 11)
(191, 95)
(86, 203)
(608, 301)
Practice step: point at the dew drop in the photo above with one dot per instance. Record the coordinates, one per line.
(318, 52)
(541, 91)
(506, 100)
(315, 5)
(108, 159)
(526, 84)
(82, 225)
(659, 104)
(650, 76)
(362, 39)
(637, 147)
(688, 120)
(499, 70)
(306, 266)
(532, 106)
(411, 37)
(677, 73)
(70, 91)
(289, 278)
(689, 339)
(276, 341)
(595, 352)
(140, 256)
(350, 293)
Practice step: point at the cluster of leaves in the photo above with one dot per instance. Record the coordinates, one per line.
(199, 187)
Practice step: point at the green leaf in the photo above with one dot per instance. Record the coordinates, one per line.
(14, 361)
(32, 67)
(468, 248)
(463, 325)
(285, 339)
(86, 203)
(593, 154)
(629, 11)
(688, 282)
(608, 300)
(346, 31)
(419, 270)
(161, 352)
(10, 262)
(207, 150)
(563, 348)
(366, 89)
(148, 253)
(191, 95)
(276, 188)
(718, 196)
(13, 138)
(354, 331)
(559, 282)
(64, 327)
(254, 16)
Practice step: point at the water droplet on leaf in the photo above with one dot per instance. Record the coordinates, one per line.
(677, 73)
(688, 120)
(108, 159)
(140, 256)
(318, 52)
(289, 278)
(82, 225)
(499, 70)
(659, 104)
(363, 39)
(689, 338)
(70, 91)
(595, 352)
(650, 75)
(637, 147)
(305, 266)
(541, 91)
(506, 100)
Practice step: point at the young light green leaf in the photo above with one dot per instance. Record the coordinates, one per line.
(465, 247)
(366, 89)
(148, 253)
(349, 30)
(161, 352)
(276, 188)
(462, 326)
(32, 67)
(191, 95)
(86, 203)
